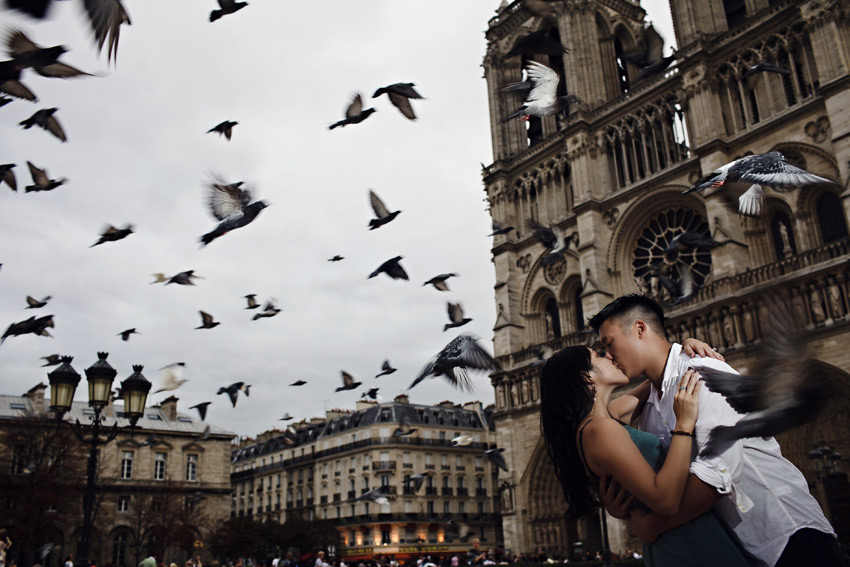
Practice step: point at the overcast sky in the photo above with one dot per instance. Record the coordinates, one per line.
(137, 152)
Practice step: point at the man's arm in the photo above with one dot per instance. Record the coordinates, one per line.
(698, 499)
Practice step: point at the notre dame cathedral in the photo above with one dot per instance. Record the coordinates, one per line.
(610, 173)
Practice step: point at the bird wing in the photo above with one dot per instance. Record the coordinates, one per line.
(741, 391)
(32, 301)
(654, 45)
(767, 170)
(347, 379)
(386, 365)
(106, 18)
(441, 285)
(402, 103)
(227, 200)
(543, 233)
(751, 202)
(378, 205)
(687, 285)
(783, 353)
(545, 82)
(405, 90)
(455, 312)
(54, 128)
(19, 44)
(206, 317)
(424, 373)
(60, 71)
(497, 459)
(472, 355)
(171, 375)
(17, 89)
(39, 176)
(355, 108)
(394, 270)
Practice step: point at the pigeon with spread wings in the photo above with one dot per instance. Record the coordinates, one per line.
(207, 321)
(232, 391)
(392, 268)
(400, 95)
(202, 409)
(455, 311)
(386, 368)
(453, 362)
(172, 377)
(227, 7)
(112, 234)
(495, 457)
(439, 282)
(771, 169)
(551, 237)
(33, 303)
(41, 181)
(44, 119)
(43, 60)
(650, 55)
(542, 99)
(382, 213)
(354, 114)
(781, 394)
(348, 382)
(232, 205)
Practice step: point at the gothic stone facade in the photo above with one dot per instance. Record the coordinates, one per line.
(611, 174)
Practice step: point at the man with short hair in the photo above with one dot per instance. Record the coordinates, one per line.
(760, 495)
(475, 556)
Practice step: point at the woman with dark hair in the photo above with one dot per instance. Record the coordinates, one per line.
(587, 440)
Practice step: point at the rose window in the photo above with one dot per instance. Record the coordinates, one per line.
(650, 260)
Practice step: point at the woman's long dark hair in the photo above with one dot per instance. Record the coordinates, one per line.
(566, 398)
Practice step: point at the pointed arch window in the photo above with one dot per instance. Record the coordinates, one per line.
(622, 70)
(579, 310)
(833, 225)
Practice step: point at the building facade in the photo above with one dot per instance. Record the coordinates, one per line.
(161, 489)
(319, 469)
(610, 174)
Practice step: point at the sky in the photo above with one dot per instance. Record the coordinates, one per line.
(138, 153)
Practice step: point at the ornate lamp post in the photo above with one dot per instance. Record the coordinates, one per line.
(100, 375)
(826, 463)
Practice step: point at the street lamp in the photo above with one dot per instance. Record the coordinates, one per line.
(826, 463)
(100, 375)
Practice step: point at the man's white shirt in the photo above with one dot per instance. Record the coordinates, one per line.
(767, 497)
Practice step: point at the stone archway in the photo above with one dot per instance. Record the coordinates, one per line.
(549, 529)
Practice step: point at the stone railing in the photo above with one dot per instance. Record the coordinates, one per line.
(509, 361)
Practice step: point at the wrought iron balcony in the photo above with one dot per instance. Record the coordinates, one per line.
(383, 465)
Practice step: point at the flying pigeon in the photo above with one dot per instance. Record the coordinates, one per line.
(269, 310)
(463, 531)
(377, 495)
(10, 82)
(232, 391)
(286, 417)
(764, 67)
(385, 369)
(348, 382)
(462, 353)
(51, 360)
(499, 229)
(382, 214)
(462, 440)
(455, 316)
(650, 55)
(536, 43)
(690, 240)
(336, 258)
(439, 282)
(400, 95)
(183, 278)
(149, 440)
(159, 278)
(36, 326)
(44, 60)
(8, 176)
(172, 377)
(111, 234)
(207, 321)
(417, 480)
(681, 290)
(550, 237)
(771, 169)
(372, 393)
(202, 409)
(495, 456)
(781, 394)
(227, 7)
(41, 181)
(252, 302)
(298, 383)
(125, 335)
(225, 128)
(205, 434)
(232, 206)
(392, 268)
(542, 99)
(403, 429)
(44, 551)
(33, 303)
(354, 114)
